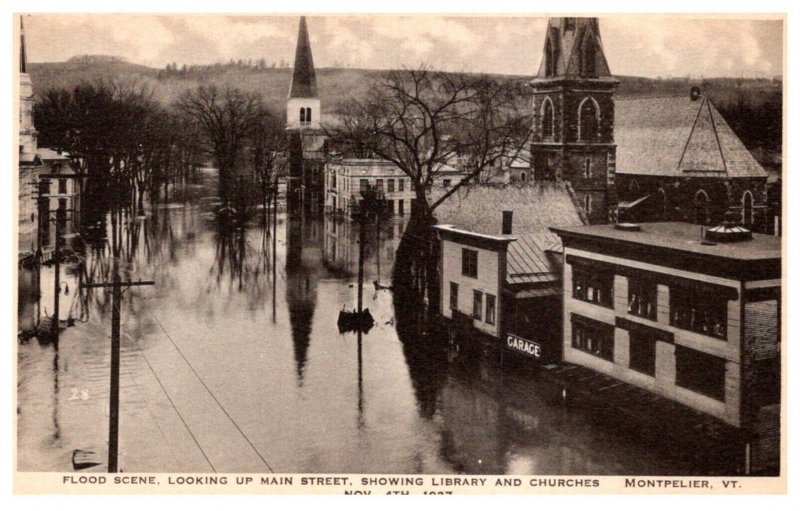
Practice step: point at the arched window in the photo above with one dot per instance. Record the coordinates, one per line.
(522, 176)
(701, 208)
(587, 168)
(747, 208)
(548, 119)
(588, 120)
(588, 57)
(302, 115)
(587, 204)
(308, 114)
(634, 188)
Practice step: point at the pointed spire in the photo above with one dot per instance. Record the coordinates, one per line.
(23, 57)
(573, 48)
(304, 78)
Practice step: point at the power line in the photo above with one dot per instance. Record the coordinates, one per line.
(164, 390)
(207, 388)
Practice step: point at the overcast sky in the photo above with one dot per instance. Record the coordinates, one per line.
(641, 45)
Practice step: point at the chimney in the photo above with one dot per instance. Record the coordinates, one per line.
(694, 94)
(508, 219)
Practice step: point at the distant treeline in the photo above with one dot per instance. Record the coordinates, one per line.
(752, 106)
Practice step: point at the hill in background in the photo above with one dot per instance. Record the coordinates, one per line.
(753, 107)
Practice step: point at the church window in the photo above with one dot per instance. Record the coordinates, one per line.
(302, 115)
(661, 204)
(522, 176)
(588, 119)
(547, 118)
(308, 114)
(747, 208)
(587, 203)
(587, 168)
(701, 208)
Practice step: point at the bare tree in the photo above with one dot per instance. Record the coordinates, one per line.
(421, 120)
(226, 118)
(268, 160)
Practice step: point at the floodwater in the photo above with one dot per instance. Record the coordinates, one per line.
(226, 368)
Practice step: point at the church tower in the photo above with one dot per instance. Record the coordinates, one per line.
(27, 132)
(573, 116)
(303, 105)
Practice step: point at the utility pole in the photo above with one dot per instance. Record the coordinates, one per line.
(361, 233)
(57, 290)
(274, 245)
(116, 286)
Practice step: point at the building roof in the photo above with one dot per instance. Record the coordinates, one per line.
(536, 207)
(681, 237)
(304, 78)
(47, 154)
(530, 259)
(533, 253)
(678, 136)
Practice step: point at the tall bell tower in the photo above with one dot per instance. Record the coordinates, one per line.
(573, 116)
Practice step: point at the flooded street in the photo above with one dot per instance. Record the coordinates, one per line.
(220, 374)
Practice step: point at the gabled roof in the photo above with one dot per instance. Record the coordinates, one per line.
(50, 155)
(678, 136)
(566, 36)
(304, 78)
(537, 206)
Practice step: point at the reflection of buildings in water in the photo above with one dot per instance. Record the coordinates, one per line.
(303, 265)
(494, 421)
(28, 310)
(340, 250)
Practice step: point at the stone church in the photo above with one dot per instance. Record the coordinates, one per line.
(636, 159)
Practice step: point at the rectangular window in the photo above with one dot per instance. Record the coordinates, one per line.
(490, 309)
(62, 186)
(400, 207)
(594, 287)
(363, 184)
(401, 184)
(390, 185)
(699, 312)
(700, 372)
(379, 184)
(390, 207)
(446, 183)
(469, 263)
(453, 296)
(594, 338)
(477, 304)
(642, 353)
(642, 298)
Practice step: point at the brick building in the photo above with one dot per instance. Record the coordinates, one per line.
(677, 159)
(573, 115)
(695, 320)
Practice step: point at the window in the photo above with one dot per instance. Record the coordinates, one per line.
(701, 208)
(401, 184)
(62, 186)
(587, 203)
(593, 337)
(400, 207)
(522, 176)
(379, 185)
(587, 168)
(308, 115)
(446, 183)
(390, 207)
(747, 208)
(302, 115)
(588, 116)
(469, 263)
(390, 185)
(699, 312)
(477, 304)
(363, 185)
(642, 298)
(453, 296)
(642, 353)
(491, 307)
(594, 287)
(700, 372)
(547, 118)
